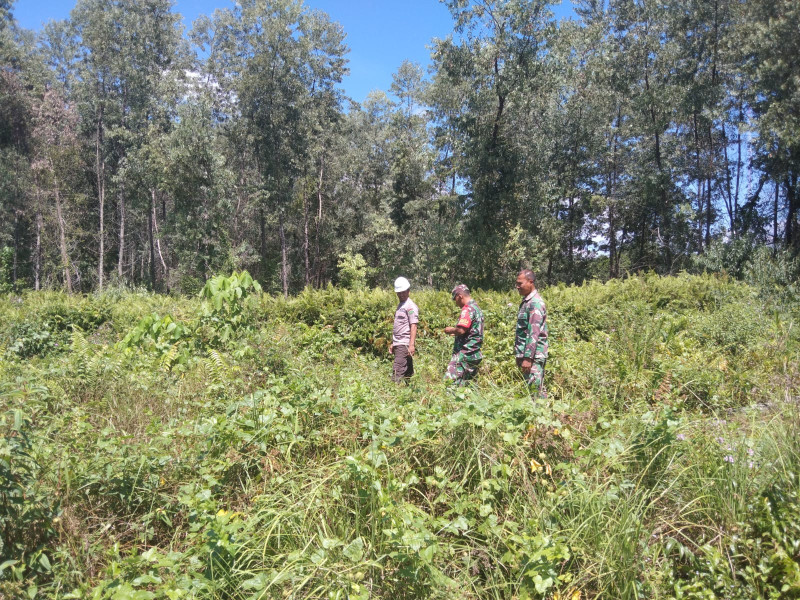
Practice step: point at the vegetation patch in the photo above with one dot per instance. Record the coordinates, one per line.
(242, 445)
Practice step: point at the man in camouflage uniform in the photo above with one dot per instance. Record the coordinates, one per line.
(468, 334)
(530, 341)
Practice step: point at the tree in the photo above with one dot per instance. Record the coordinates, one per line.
(282, 64)
(767, 45)
(500, 63)
(130, 64)
(55, 162)
(17, 61)
(411, 156)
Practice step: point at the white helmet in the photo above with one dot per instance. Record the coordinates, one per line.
(401, 284)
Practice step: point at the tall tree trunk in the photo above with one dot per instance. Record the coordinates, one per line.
(100, 167)
(612, 241)
(262, 222)
(623, 238)
(16, 248)
(611, 190)
(701, 201)
(790, 182)
(708, 213)
(284, 256)
(37, 266)
(62, 239)
(306, 243)
(317, 265)
(700, 189)
(775, 217)
(738, 161)
(157, 236)
(150, 214)
(319, 188)
(121, 231)
(501, 102)
(570, 241)
(663, 175)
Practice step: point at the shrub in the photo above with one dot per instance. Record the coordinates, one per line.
(352, 271)
(27, 509)
(240, 445)
(6, 259)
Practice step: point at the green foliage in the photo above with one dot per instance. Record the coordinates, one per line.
(225, 294)
(760, 560)
(563, 153)
(222, 312)
(775, 276)
(152, 458)
(352, 271)
(6, 259)
(27, 510)
(653, 447)
(163, 336)
(48, 325)
(731, 258)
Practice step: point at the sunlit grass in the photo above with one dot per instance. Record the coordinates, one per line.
(284, 462)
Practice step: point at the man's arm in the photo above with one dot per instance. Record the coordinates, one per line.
(463, 325)
(457, 330)
(413, 339)
(526, 361)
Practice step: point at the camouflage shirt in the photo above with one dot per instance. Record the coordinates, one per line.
(531, 337)
(469, 344)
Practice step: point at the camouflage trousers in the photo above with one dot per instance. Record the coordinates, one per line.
(461, 370)
(535, 379)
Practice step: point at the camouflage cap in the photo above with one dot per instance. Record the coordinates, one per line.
(460, 289)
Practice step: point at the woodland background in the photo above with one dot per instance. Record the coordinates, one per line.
(245, 445)
(641, 135)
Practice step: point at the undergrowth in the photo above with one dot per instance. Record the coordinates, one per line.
(245, 446)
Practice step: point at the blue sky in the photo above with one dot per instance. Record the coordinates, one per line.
(381, 34)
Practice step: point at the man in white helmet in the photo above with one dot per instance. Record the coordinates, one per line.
(404, 333)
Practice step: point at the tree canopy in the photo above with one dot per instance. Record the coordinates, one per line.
(635, 136)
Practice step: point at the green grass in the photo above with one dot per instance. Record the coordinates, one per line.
(254, 447)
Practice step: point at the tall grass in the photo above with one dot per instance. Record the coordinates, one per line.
(283, 463)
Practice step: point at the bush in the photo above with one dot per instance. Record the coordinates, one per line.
(352, 271)
(27, 509)
(6, 260)
(47, 325)
(240, 445)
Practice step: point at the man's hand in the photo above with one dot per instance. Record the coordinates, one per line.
(525, 365)
(411, 349)
(449, 330)
(391, 348)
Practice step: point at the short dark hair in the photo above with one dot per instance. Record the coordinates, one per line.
(529, 275)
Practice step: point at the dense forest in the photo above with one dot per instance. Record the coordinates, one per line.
(638, 135)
